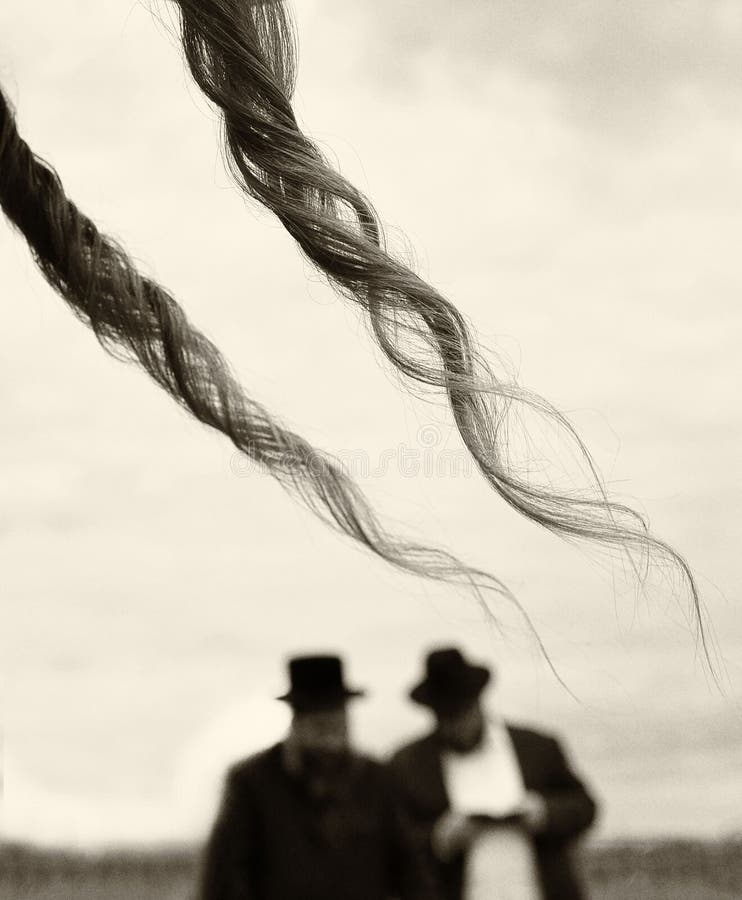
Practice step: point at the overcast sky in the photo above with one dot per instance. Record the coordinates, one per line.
(570, 174)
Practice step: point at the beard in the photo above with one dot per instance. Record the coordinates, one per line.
(464, 743)
(324, 771)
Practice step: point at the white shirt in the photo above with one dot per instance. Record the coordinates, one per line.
(488, 779)
(500, 865)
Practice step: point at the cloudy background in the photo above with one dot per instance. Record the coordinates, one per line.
(571, 175)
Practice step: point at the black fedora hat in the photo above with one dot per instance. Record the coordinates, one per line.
(450, 681)
(317, 683)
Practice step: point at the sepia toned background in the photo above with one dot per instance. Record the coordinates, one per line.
(570, 174)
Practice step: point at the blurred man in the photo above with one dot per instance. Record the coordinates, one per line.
(309, 819)
(496, 807)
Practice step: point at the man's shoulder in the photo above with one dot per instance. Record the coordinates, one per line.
(260, 764)
(368, 771)
(537, 739)
(367, 762)
(410, 753)
(253, 766)
(528, 731)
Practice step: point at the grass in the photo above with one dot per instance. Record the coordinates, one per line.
(661, 870)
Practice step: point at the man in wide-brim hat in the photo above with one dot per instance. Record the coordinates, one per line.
(496, 807)
(309, 818)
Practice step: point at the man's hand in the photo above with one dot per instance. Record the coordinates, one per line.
(452, 834)
(534, 813)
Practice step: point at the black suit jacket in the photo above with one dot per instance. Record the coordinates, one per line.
(418, 772)
(272, 841)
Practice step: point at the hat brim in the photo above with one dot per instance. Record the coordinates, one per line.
(463, 692)
(312, 700)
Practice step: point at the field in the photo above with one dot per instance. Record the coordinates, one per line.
(660, 871)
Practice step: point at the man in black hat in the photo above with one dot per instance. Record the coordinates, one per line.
(495, 807)
(308, 818)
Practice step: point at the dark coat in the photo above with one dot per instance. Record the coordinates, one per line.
(272, 841)
(418, 772)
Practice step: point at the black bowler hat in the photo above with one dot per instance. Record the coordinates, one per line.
(317, 683)
(450, 681)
